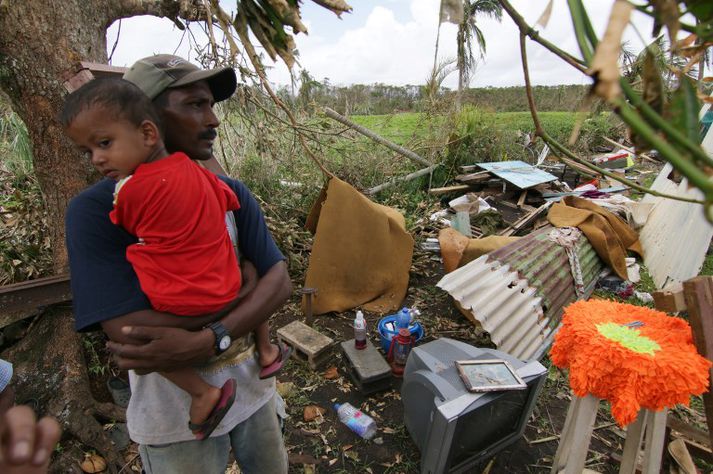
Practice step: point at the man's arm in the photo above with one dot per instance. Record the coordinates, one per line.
(143, 340)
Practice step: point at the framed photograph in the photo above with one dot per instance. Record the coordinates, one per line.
(489, 375)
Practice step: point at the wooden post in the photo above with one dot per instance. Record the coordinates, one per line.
(698, 293)
(577, 433)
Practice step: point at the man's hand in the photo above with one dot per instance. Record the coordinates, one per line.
(26, 444)
(162, 348)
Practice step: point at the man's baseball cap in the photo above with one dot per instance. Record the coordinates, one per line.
(155, 74)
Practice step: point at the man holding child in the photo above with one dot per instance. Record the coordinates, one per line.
(108, 294)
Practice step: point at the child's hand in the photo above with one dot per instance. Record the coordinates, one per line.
(26, 444)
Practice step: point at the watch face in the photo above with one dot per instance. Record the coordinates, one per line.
(224, 343)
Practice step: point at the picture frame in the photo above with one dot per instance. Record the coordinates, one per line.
(489, 375)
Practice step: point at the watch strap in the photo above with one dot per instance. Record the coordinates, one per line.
(219, 331)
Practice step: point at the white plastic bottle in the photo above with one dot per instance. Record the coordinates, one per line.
(359, 330)
(356, 420)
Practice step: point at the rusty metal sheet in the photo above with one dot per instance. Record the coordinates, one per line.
(22, 299)
(518, 293)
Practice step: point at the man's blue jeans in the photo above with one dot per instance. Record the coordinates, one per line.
(257, 445)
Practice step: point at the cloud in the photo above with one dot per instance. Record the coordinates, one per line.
(393, 42)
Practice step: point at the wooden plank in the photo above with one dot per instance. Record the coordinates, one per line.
(698, 293)
(474, 177)
(655, 439)
(634, 436)
(99, 69)
(449, 189)
(582, 435)
(524, 220)
(691, 432)
(21, 300)
(521, 200)
(308, 344)
(671, 300)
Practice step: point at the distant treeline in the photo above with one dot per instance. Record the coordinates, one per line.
(378, 99)
(563, 98)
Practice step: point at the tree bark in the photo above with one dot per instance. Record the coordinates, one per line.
(41, 46)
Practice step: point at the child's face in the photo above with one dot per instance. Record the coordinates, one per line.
(115, 146)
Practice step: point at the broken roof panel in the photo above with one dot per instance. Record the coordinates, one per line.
(676, 235)
(518, 173)
(518, 293)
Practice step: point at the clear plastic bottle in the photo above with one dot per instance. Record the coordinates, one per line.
(359, 330)
(356, 420)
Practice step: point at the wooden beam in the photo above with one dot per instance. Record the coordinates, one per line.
(449, 189)
(524, 220)
(474, 177)
(698, 293)
(670, 300)
(20, 300)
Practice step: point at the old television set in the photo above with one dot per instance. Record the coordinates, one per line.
(453, 428)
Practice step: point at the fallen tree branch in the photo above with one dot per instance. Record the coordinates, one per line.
(377, 138)
(408, 177)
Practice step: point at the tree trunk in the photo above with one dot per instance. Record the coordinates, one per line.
(50, 371)
(41, 46)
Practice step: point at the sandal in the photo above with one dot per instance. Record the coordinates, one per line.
(227, 397)
(274, 368)
(120, 391)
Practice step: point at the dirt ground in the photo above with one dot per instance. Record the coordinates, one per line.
(325, 445)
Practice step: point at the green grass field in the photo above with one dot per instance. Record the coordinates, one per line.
(400, 128)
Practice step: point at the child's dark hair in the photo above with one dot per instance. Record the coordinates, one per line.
(122, 97)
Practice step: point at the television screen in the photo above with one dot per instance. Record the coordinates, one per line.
(475, 431)
(454, 428)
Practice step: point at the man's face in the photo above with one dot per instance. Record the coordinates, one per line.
(115, 146)
(189, 121)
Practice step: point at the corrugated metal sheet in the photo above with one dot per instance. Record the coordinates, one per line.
(518, 292)
(518, 173)
(503, 303)
(676, 235)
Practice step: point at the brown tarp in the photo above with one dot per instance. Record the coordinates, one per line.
(457, 249)
(361, 254)
(610, 236)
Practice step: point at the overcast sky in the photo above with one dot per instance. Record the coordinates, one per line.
(393, 42)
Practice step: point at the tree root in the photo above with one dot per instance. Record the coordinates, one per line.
(50, 369)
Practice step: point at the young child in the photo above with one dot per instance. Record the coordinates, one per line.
(184, 257)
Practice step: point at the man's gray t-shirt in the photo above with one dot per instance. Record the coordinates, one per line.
(158, 410)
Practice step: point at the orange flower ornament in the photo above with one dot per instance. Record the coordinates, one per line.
(632, 356)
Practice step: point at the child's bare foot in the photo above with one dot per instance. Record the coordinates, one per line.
(202, 405)
(269, 356)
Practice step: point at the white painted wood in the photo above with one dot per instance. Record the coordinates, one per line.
(655, 439)
(634, 435)
(576, 435)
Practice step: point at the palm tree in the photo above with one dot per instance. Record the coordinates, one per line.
(468, 31)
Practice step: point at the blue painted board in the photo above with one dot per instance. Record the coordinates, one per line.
(518, 173)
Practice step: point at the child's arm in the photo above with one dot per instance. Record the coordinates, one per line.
(176, 326)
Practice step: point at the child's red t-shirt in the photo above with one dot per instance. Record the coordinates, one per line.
(184, 259)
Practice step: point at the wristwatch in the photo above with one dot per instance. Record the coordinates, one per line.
(222, 337)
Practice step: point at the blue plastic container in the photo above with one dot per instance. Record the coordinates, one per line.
(388, 328)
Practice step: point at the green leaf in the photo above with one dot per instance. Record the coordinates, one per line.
(701, 9)
(684, 110)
